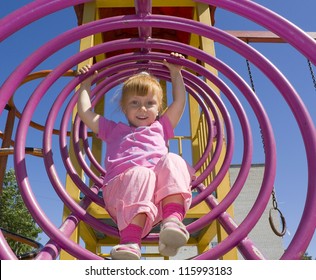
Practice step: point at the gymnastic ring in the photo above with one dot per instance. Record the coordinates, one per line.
(283, 223)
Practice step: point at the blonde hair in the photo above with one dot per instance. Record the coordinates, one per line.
(140, 84)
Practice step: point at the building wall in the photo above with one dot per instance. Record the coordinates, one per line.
(268, 243)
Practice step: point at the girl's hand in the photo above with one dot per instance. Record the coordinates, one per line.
(84, 70)
(176, 108)
(85, 112)
(173, 67)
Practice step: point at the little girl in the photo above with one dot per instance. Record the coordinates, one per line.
(143, 184)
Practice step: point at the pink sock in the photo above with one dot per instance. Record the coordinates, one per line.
(173, 210)
(131, 234)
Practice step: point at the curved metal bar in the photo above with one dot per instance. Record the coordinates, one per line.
(69, 110)
(120, 46)
(298, 108)
(6, 252)
(31, 77)
(32, 12)
(25, 240)
(272, 21)
(307, 46)
(34, 103)
(250, 90)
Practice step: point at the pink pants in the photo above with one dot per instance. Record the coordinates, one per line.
(141, 190)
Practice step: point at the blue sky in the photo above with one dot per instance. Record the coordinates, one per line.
(291, 173)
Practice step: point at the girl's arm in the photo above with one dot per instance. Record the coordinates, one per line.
(176, 108)
(90, 118)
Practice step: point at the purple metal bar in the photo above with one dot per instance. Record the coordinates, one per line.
(59, 105)
(285, 29)
(6, 252)
(49, 126)
(305, 45)
(202, 90)
(32, 12)
(46, 79)
(47, 146)
(246, 246)
(84, 135)
(28, 14)
(143, 8)
(78, 152)
(171, 46)
(51, 249)
(248, 145)
(60, 71)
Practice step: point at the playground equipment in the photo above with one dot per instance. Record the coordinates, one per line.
(116, 58)
(19, 238)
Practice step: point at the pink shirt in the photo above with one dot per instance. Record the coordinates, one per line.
(129, 146)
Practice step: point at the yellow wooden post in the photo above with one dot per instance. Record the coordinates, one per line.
(207, 45)
(71, 188)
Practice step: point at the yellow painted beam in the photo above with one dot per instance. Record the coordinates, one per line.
(71, 188)
(88, 236)
(207, 45)
(74, 237)
(206, 235)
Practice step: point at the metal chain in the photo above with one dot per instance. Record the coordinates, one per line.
(312, 73)
(254, 90)
(274, 201)
(250, 76)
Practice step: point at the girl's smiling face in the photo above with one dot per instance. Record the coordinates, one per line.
(141, 99)
(141, 110)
